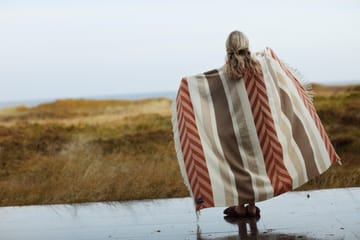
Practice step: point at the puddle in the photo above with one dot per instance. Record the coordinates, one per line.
(323, 214)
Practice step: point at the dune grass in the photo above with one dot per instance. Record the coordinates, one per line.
(73, 151)
(78, 150)
(339, 110)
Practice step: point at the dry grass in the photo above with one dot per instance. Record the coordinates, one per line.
(73, 151)
(81, 171)
(339, 109)
(80, 151)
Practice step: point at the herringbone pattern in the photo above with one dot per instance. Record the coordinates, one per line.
(192, 150)
(308, 104)
(270, 145)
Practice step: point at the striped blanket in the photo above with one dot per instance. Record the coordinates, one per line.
(239, 141)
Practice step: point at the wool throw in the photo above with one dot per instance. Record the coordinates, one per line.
(247, 140)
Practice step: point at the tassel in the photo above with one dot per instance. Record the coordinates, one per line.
(303, 81)
(179, 154)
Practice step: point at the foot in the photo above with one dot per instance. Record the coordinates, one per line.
(236, 211)
(252, 210)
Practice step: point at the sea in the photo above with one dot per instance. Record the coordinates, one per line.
(133, 96)
(136, 96)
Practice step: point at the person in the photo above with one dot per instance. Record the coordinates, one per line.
(240, 63)
(247, 132)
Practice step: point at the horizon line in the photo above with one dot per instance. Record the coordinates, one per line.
(128, 96)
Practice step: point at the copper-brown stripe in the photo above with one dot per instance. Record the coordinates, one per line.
(269, 142)
(192, 150)
(228, 139)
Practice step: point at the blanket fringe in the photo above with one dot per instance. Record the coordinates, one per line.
(304, 82)
(179, 154)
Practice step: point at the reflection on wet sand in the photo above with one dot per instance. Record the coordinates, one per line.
(248, 230)
(243, 223)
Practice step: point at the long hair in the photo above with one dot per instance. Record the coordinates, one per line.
(239, 62)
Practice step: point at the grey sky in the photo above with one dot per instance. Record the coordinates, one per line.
(86, 48)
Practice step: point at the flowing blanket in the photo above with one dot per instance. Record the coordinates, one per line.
(239, 141)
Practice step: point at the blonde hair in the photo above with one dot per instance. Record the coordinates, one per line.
(239, 62)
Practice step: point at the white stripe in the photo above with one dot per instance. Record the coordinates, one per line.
(180, 156)
(212, 162)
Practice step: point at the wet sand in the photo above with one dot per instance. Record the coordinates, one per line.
(322, 214)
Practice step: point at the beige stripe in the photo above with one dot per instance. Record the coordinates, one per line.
(321, 154)
(224, 172)
(300, 136)
(292, 154)
(322, 159)
(228, 139)
(242, 136)
(316, 143)
(286, 85)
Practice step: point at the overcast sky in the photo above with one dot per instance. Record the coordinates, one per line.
(72, 48)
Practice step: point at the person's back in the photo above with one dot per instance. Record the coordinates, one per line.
(241, 64)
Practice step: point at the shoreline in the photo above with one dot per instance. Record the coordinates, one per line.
(130, 96)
